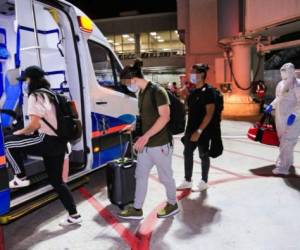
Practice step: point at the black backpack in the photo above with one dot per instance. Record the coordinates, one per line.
(69, 127)
(177, 112)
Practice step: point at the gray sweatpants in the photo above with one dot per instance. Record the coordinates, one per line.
(161, 157)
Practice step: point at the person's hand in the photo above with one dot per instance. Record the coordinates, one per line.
(195, 136)
(18, 132)
(268, 109)
(291, 119)
(141, 143)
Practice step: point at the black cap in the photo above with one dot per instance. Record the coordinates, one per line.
(33, 72)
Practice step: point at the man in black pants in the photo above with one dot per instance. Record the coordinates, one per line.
(201, 104)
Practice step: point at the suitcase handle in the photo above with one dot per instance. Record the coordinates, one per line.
(130, 143)
(128, 166)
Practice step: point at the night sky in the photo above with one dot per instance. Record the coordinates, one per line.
(95, 8)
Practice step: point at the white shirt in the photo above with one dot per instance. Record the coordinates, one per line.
(40, 105)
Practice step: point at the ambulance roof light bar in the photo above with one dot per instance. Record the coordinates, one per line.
(85, 24)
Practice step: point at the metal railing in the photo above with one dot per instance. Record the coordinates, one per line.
(151, 54)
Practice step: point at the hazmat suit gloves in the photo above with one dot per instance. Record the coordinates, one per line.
(268, 109)
(291, 119)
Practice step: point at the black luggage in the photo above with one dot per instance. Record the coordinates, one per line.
(121, 178)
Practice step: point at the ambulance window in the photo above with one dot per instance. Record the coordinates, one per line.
(106, 68)
(102, 62)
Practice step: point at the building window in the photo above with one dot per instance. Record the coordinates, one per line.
(152, 44)
(161, 41)
(106, 68)
(122, 44)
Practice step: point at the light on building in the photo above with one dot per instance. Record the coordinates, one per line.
(158, 37)
(110, 41)
(131, 39)
(161, 40)
(166, 49)
(117, 44)
(125, 36)
(153, 33)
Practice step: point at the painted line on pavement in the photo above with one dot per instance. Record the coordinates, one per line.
(213, 167)
(259, 144)
(254, 157)
(148, 226)
(1, 238)
(124, 233)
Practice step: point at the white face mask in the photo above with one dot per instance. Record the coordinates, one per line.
(193, 78)
(25, 87)
(133, 88)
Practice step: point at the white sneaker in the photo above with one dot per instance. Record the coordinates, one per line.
(18, 183)
(278, 171)
(185, 185)
(71, 221)
(202, 185)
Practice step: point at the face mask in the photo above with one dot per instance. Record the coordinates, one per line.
(133, 88)
(25, 88)
(193, 78)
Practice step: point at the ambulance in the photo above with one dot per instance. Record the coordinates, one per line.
(80, 64)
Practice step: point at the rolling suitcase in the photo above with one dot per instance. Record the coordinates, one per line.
(121, 178)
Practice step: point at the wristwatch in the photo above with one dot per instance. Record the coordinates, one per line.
(199, 131)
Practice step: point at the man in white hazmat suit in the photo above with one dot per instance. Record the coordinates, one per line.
(287, 117)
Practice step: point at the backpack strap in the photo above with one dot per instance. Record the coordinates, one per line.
(155, 88)
(47, 91)
(50, 126)
(53, 95)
